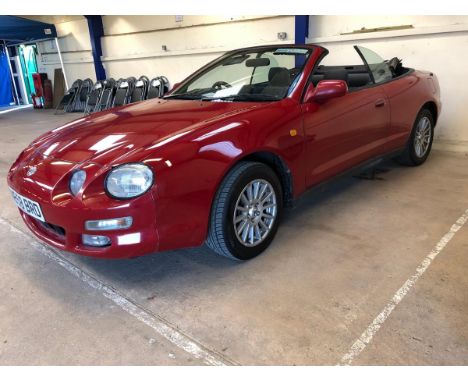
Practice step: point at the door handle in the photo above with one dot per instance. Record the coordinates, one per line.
(379, 103)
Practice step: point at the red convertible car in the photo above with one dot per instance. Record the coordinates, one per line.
(218, 159)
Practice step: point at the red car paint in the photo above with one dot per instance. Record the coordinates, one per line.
(191, 145)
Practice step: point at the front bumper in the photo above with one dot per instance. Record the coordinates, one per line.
(65, 224)
(124, 243)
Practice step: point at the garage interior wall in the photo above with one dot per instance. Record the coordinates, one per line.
(133, 45)
(434, 43)
(75, 46)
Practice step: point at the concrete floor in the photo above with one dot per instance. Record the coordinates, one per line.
(337, 260)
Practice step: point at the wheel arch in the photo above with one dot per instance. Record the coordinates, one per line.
(216, 235)
(432, 107)
(279, 166)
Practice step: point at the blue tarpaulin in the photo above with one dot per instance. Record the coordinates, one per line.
(16, 30)
(6, 96)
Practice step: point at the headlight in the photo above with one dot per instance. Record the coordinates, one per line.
(129, 180)
(76, 181)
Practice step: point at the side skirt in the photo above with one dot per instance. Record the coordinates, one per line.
(353, 171)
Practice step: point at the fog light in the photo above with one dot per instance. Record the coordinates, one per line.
(95, 240)
(109, 224)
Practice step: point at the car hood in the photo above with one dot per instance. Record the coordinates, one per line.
(106, 137)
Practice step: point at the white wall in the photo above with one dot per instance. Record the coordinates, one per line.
(75, 46)
(133, 44)
(436, 43)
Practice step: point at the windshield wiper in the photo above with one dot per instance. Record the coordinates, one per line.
(182, 96)
(192, 94)
(244, 97)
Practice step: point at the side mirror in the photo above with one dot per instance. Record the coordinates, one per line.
(326, 89)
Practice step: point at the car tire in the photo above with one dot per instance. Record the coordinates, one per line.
(243, 204)
(412, 156)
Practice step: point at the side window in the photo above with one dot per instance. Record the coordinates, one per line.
(343, 63)
(378, 67)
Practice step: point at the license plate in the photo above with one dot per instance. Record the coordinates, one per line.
(28, 206)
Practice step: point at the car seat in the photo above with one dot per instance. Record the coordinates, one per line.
(336, 74)
(279, 80)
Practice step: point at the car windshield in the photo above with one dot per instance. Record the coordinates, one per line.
(263, 74)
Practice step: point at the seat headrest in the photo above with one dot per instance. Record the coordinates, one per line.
(278, 76)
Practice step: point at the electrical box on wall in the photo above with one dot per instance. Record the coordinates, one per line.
(178, 19)
(282, 35)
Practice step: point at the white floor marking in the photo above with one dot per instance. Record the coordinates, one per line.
(367, 336)
(177, 338)
(15, 108)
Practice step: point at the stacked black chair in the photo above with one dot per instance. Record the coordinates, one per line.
(107, 95)
(124, 89)
(84, 96)
(140, 90)
(79, 103)
(66, 103)
(94, 97)
(166, 84)
(158, 87)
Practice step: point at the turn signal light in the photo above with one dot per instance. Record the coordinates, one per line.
(109, 224)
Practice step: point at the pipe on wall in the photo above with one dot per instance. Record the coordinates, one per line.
(301, 28)
(96, 31)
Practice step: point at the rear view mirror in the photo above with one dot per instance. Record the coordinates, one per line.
(254, 62)
(325, 90)
(236, 59)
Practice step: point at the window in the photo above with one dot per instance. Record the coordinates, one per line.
(378, 67)
(256, 74)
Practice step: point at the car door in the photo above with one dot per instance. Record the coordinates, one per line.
(343, 132)
(404, 95)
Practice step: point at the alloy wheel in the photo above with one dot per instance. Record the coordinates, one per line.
(255, 212)
(422, 137)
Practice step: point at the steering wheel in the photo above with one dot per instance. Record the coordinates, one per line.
(219, 85)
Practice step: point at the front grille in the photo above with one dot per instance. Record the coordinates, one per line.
(59, 231)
